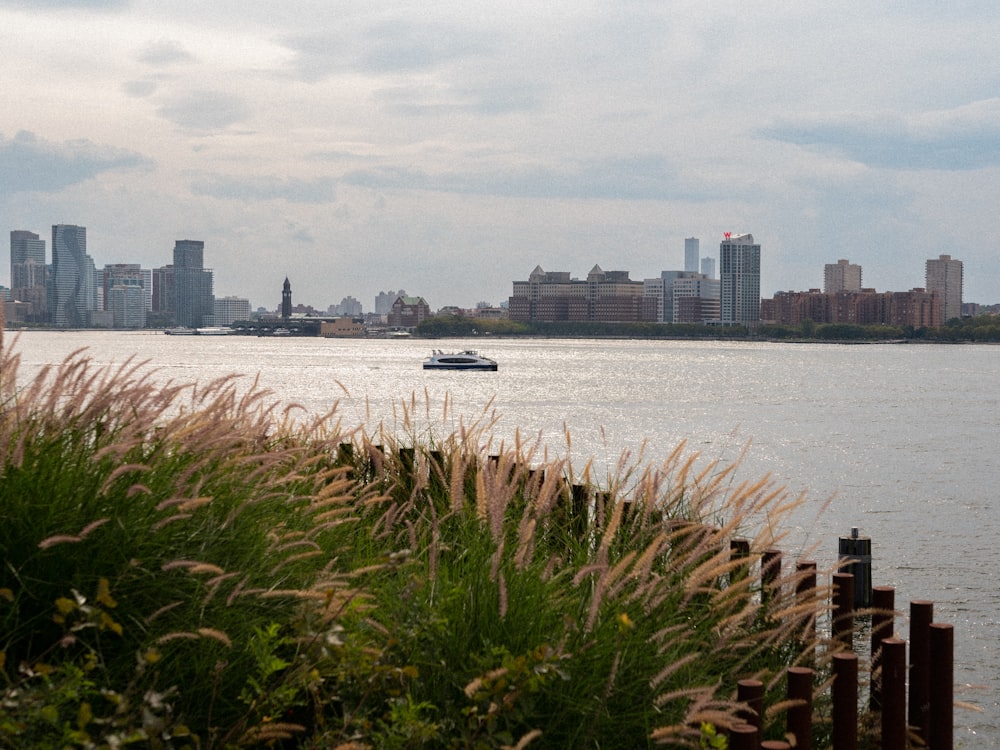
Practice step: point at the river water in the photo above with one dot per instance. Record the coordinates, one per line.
(900, 441)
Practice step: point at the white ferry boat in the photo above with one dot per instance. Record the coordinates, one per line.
(465, 360)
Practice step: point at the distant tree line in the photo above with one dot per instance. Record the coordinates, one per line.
(981, 328)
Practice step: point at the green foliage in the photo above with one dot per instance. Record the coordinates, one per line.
(188, 567)
(711, 738)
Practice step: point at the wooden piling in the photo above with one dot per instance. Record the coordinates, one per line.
(799, 717)
(751, 692)
(883, 619)
(805, 593)
(843, 609)
(739, 549)
(770, 575)
(921, 617)
(893, 694)
(744, 737)
(942, 689)
(845, 701)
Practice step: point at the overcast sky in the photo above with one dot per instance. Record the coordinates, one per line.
(448, 148)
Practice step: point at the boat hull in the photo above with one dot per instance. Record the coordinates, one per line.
(477, 366)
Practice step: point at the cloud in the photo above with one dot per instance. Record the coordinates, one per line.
(397, 46)
(642, 177)
(165, 52)
(31, 164)
(320, 190)
(491, 97)
(140, 89)
(206, 110)
(67, 4)
(962, 138)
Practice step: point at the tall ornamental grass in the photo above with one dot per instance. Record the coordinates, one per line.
(198, 566)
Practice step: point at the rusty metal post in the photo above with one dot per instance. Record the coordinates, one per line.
(751, 692)
(921, 617)
(799, 720)
(942, 690)
(843, 609)
(845, 701)
(883, 619)
(893, 694)
(744, 737)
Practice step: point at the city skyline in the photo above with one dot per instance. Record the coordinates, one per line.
(331, 142)
(188, 257)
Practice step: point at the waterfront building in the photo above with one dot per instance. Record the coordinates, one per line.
(917, 308)
(695, 299)
(687, 284)
(228, 310)
(344, 327)
(124, 294)
(944, 276)
(407, 312)
(708, 267)
(193, 298)
(655, 289)
(604, 296)
(74, 291)
(739, 276)
(692, 252)
(842, 276)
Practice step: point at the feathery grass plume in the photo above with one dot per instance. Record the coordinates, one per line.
(285, 583)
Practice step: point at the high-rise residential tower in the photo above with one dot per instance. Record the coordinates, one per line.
(842, 276)
(944, 276)
(739, 274)
(691, 254)
(73, 277)
(193, 298)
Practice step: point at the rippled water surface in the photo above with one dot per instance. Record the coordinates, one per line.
(898, 440)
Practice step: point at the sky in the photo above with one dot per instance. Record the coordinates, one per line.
(447, 148)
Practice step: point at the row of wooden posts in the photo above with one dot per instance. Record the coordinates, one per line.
(928, 695)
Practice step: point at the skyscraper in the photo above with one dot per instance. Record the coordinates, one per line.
(25, 246)
(842, 276)
(691, 254)
(193, 298)
(739, 274)
(73, 289)
(944, 276)
(28, 272)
